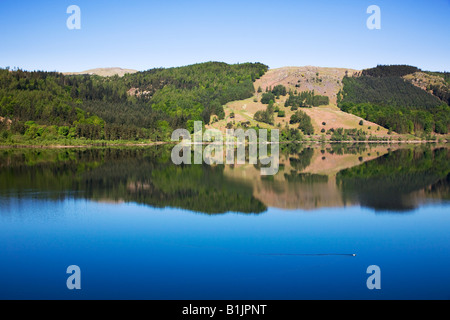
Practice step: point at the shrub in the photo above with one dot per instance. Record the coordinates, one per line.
(63, 131)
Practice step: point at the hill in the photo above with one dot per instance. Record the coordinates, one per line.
(396, 98)
(104, 72)
(142, 105)
(323, 103)
(326, 82)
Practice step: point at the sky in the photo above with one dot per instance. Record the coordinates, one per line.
(141, 35)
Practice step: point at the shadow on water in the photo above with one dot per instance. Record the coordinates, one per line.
(377, 177)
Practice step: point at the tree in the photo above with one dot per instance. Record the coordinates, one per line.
(279, 90)
(267, 97)
(304, 122)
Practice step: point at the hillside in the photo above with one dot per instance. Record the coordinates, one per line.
(380, 102)
(334, 104)
(323, 81)
(143, 105)
(437, 84)
(400, 98)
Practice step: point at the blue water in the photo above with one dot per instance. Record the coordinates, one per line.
(131, 251)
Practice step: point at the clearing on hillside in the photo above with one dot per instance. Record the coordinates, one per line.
(323, 81)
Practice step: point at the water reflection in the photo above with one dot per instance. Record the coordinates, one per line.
(382, 177)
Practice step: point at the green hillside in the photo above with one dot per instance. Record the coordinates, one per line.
(382, 96)
(143, 105)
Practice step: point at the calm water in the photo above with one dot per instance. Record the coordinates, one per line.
(140, 227)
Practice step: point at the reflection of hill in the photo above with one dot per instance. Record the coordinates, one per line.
(309, 177)
(337, 175)
(398, 180)
(288, 191)
(306, 178)
(336, 157)
(113, 175)
(440, 190)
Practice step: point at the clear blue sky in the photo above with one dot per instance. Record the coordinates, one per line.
(141, 34)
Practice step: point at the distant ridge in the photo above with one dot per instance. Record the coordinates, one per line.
(104, 72)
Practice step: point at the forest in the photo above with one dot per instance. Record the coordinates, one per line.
(380, 95)
(143, 105)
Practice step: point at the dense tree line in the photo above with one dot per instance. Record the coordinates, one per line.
(390, 71)
(394, 103)
(442, 92)
(140, 104)
(392, 91)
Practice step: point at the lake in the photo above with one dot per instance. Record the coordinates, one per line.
(140, 227)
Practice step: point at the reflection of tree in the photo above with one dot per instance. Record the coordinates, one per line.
(345, 148)
(387, 182)
(306, 177)
(440, 189)
(303, 160)
(139, 175)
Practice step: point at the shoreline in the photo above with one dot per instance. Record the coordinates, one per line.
(93, 145)
(150, 144)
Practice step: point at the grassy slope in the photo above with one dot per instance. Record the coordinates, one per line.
(329, 85)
